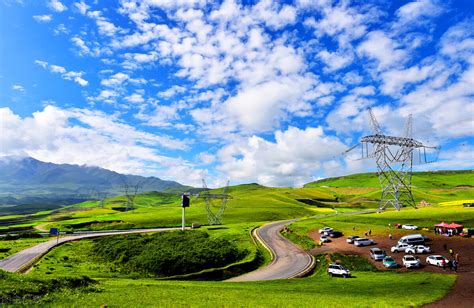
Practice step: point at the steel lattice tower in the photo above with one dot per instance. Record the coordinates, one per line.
(394, 159)
(214, 218)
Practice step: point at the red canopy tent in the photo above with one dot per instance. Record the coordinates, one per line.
(449, 229)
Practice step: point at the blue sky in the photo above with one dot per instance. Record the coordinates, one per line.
(253, 91)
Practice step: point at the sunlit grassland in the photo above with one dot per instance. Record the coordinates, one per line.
(378, 223)
(367, 289)
(76, 258)
(249, 203)
(14, 246)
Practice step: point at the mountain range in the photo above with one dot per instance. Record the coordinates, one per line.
(25, 180)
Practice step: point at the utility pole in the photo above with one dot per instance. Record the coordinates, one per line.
(184, 205)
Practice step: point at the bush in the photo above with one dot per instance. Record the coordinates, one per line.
(167, 253)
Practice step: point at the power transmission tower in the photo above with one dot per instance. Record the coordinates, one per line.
(130, 192)
(101, 196)
(210, 200)
(394, 158)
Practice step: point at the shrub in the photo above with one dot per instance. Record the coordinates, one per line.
(167, 253)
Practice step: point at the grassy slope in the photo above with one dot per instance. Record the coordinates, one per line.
(249, 203)
(369, 288)
(255, 204)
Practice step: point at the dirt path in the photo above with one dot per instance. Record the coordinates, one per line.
(462, 294)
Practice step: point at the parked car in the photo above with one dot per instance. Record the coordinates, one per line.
(326, 230)
(351, 239)
(409, 227)
(418, 249)
(324, 239)
(400, 247)
(389, 262)
(377, 254)
(363, 242)
(410, 261)
(338, 270)
(436, 260)
(335, 234)
(412, 239)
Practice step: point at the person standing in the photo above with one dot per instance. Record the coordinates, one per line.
(456, 257)
(370, 231)
(443, 264)
(451, 252)
(455, 266)
(390, 236)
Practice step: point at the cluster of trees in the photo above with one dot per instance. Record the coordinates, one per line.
(167, 253)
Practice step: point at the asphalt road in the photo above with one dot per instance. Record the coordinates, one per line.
(24, 259)
(289, 261)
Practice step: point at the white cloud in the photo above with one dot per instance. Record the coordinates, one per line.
(380, 47)
(81, 44)
(115, 80)
(65, 74)
(17, 87)
(81, 7)
(335, 60)
(81, 136)
(256, 158)
(57, 6)
(135, 98)
(172, 91)
(395, 80)
(417, 11)
(43, 18)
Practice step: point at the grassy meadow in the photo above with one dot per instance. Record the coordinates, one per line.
(322, 203)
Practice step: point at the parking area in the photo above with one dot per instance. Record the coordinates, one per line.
(462, 294)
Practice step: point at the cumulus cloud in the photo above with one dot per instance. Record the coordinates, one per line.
(380, 47)
(57, 6)
(268, 162)
(43, 18)
(17, 87)
(65, 74)
(82, 136)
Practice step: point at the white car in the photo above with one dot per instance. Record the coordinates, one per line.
(400, 247)
(324, 239)
(410, 261)
(352, 238)
(338, 270)
(409, 227)
(418, 249)
(363, 242)
(326, 230)
(436, 260)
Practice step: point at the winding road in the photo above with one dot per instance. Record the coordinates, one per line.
(23, 260)
(289, 261)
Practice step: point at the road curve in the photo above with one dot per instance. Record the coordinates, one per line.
(289, 261)
(23, 260)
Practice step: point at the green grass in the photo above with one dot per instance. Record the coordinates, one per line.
(17, 245)
(76, 258)
(367, 289)
(378, 223)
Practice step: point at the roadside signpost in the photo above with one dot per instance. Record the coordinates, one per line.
(54, 231)
(184, 205)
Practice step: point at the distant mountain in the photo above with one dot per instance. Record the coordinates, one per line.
(27, 180)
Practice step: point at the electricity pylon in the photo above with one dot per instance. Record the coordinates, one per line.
(394, 159)
(214, 218)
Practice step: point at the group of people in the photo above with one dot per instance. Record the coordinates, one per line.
(451, 264)
(449, 232)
